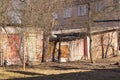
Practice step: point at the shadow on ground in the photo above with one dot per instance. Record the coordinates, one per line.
(95, 74)
(25, 73)
(63, 67)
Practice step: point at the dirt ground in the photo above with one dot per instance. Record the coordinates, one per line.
(107, 69)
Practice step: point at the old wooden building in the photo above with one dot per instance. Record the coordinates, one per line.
(96, 19)
(84, 26)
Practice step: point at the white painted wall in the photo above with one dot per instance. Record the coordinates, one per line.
(76, 50)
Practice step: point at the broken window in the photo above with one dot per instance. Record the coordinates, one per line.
(67, 13)
(15, 17)
(82, 10)
(99, 5)
(116, 3)
(15, 13)
(55, 15)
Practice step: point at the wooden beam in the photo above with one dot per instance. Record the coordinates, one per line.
(117, 20)
(105, 31)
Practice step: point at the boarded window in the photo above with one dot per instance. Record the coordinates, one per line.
(67, 13)
(82, 10)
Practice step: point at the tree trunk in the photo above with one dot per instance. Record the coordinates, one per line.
(1, 57)
(91, 59)
(102, 46)
(24, 50)
(59, 51)
(109, 44)
(45, 46)
(90, 22)
(43, 52)
(113, 50)
(106, 51)
(53, 53)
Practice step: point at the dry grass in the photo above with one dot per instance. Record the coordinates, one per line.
(6, 74)
(101, 70)
(12, 73)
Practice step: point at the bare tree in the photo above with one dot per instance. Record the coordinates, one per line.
(39, 14)
(100, 15)
(4, 19)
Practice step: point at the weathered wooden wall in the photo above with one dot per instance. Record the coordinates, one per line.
(33, 44)
(14, 45)
(9, 46)
(76, 50)
(110, 39)
(71, 50)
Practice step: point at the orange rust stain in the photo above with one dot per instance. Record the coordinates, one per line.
(65, 51)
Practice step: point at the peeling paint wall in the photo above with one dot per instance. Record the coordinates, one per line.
(39, 46)
(14, 45)
(70, 51)
(10, 47)
(33, 44)
(31, 47)
(76, 50)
